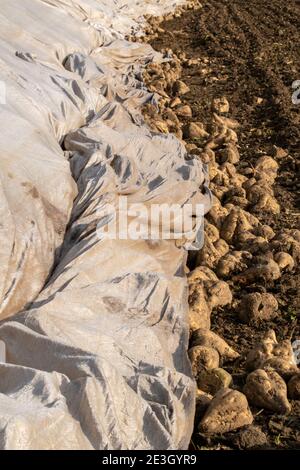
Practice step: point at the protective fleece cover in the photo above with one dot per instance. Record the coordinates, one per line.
(95, 329)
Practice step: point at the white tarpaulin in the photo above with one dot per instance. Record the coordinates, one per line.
(95, 329)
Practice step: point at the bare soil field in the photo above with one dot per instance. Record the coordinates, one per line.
(248, 52)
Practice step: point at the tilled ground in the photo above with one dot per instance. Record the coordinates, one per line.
(248, 52)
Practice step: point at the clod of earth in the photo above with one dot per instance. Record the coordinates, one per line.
(252, 437)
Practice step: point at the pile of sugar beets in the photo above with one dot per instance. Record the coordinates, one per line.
(238, 246)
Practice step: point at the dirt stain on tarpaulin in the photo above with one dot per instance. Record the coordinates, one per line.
(249, 52)
(58, 218)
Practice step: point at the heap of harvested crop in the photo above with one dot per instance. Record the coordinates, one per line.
(95, 327)
(240, 250)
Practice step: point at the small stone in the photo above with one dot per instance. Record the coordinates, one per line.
(212, 380)
(221, 105)
(227, 411)
(294, 387)
(266, 389)
(184, 111)
(203, 357)
(259, 100)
